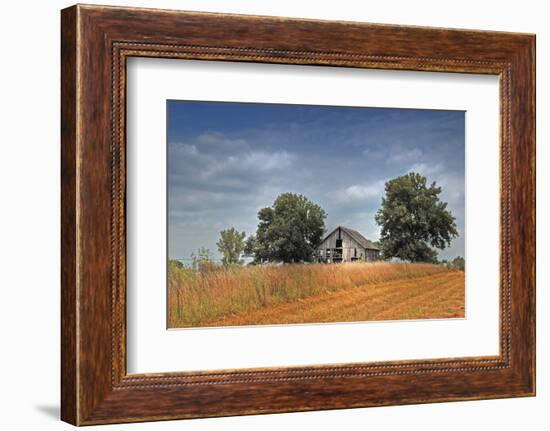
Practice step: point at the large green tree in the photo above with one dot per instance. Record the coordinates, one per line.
(288, 231)
(414, 221)
(231, 245)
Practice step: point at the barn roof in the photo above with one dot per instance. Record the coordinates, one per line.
(357, 237)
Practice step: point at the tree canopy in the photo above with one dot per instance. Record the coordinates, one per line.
(231, 245)
(414, 220)
(288, 231)
(459, 263)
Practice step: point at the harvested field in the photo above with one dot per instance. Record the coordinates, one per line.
(313, 294)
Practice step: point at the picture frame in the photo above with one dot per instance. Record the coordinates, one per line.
(96, 42)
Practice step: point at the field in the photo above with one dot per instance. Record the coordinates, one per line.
(315, 293)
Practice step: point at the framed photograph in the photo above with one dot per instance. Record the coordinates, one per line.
(232, 169)
(265, 215)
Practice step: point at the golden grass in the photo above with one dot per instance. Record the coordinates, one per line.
(313, 293)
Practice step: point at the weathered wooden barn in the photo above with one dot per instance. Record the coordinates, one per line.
(346, 245)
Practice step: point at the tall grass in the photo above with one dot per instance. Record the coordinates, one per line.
(198, 297)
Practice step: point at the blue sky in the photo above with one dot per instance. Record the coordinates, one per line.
(228, 160)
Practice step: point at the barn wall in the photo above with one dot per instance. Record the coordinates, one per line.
(372, 255)
(348, 243)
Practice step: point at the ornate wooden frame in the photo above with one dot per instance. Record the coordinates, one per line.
(95, 42)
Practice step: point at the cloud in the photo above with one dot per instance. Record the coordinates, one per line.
(364, 191)
(217, 181)
(266, 162)
(453, 185)
(220, 143)
(199, 163)
(427, 169)
(401, 155)
(374, 153)
(247, 164)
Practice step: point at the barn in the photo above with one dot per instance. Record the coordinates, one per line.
(346, 245)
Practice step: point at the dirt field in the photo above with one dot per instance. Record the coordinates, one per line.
(433, 296)
(314, 294)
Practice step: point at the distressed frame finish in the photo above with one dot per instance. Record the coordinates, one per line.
(96, 41)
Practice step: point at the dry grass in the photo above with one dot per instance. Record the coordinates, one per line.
(313, 293)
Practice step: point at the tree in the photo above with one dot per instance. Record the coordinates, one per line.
(288, 231)
(202, 260)
(459, 263)
(414, 220)
(250, 246)
(231, 246)
(378, 245)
